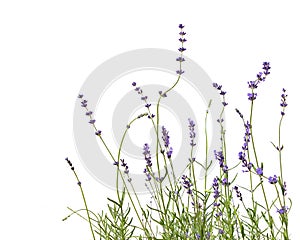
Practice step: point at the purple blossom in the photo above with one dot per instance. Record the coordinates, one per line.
(282, 210)
(273, 180)
(123, 164)
(284, 190)
(179, 72)
(162, 94)
(252, 96)
(98, 132)
(180, 59)
(148, 175)
(147, 155)
(253, 84)
(238, 193)
(89, 113)
(187, 184)
(80, 96)
(192, 132)
(92, 121)
(220, 157)
(181, 26)
(283, 103)
(215, 186)
(225, 181)
(169, 152)
(181, 49)
(259, 171)
(165, 136)
(221, 92)
(84, 103)
(266, 67)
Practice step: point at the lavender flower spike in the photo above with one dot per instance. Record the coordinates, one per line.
(192, 132)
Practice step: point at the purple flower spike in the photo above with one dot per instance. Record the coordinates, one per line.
(238, 193)
(147, 154)
(192, 132)
(215, 186)
(187, 184)
(165, 136)
(266, 67)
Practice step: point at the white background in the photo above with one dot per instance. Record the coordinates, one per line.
(47, 50)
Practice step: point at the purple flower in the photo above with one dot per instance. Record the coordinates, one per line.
(181, 49)
(169, 152)
(92, 121)
(134, 84)
(179, 72)
(162, 94)
(266, 67)
(98, 132)
(220, 157)
(238, 193)
(253, 84)
(273, 180)
(80, 96)
(259, 171)
(221, 92)
(89, 113)
(283, 210)
(192, 132)
(123, 164)
(215, 186)
(283, 103)
(84, 103)
(225, 181)
(252, 96)
(181, 26)
(180, 59)
(187, 184)
(165, 136)
(147, 155)
(148, 175)
(284, 190)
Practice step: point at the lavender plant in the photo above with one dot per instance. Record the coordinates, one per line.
(217, 207)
